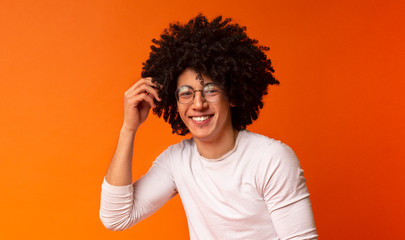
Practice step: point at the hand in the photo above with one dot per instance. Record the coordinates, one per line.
(138, 100)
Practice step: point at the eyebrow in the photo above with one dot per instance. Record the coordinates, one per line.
(210, 83)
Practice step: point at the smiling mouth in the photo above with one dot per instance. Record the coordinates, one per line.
(201, 118)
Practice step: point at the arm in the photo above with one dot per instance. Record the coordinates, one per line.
(286, 194)
(295, 221)
(137, 102)
(123, 203)
(123, 206)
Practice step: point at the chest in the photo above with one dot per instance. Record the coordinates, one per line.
(226, 189)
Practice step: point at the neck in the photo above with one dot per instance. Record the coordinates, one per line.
(216, 148)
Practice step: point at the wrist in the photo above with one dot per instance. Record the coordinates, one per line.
(128, 130)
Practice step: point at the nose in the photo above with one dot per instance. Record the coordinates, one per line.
(199, 101)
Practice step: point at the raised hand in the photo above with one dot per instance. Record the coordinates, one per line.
(138, 99)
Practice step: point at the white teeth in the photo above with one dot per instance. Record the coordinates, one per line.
(200, 119)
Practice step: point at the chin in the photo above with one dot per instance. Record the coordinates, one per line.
(201, 134)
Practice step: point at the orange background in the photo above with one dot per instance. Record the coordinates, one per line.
(64, 66)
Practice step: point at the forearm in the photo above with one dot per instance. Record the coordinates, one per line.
(116, 206)
(124, 205)
(119, 172)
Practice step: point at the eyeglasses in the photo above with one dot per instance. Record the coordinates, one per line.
(211, 92)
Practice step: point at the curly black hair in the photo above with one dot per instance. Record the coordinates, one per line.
(218, 49)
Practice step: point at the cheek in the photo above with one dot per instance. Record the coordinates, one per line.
(181, 110)
(226, 106)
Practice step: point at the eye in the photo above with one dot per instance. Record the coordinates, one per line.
(185, 92)
(211, 89)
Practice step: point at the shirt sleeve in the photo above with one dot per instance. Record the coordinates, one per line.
(123, 206)
(282, 185)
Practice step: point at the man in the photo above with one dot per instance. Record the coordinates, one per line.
(208, 79)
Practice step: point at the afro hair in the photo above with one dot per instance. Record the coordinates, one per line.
(218, 49)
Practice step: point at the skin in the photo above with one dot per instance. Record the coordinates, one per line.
(138, 100)
(213, 137)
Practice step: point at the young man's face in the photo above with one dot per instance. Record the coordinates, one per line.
(207, 121)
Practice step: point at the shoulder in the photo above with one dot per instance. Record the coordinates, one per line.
(269, 153)
(263, 144)
(178, 148)
(278, 177)
(266, 155)
(176, 152)
(255, 137)
(166, 162)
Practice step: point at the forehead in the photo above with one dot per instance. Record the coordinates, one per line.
(191, 78)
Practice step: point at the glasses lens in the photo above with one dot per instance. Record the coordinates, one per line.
(185, 94)
(212, 92)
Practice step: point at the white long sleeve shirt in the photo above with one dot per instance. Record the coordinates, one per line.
(255, 191)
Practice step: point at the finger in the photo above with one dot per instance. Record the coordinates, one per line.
(136, 100)
(150, 91)
(150, 100)
(144, 89)
(142, 81)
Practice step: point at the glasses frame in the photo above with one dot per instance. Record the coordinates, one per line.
(198, 90)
